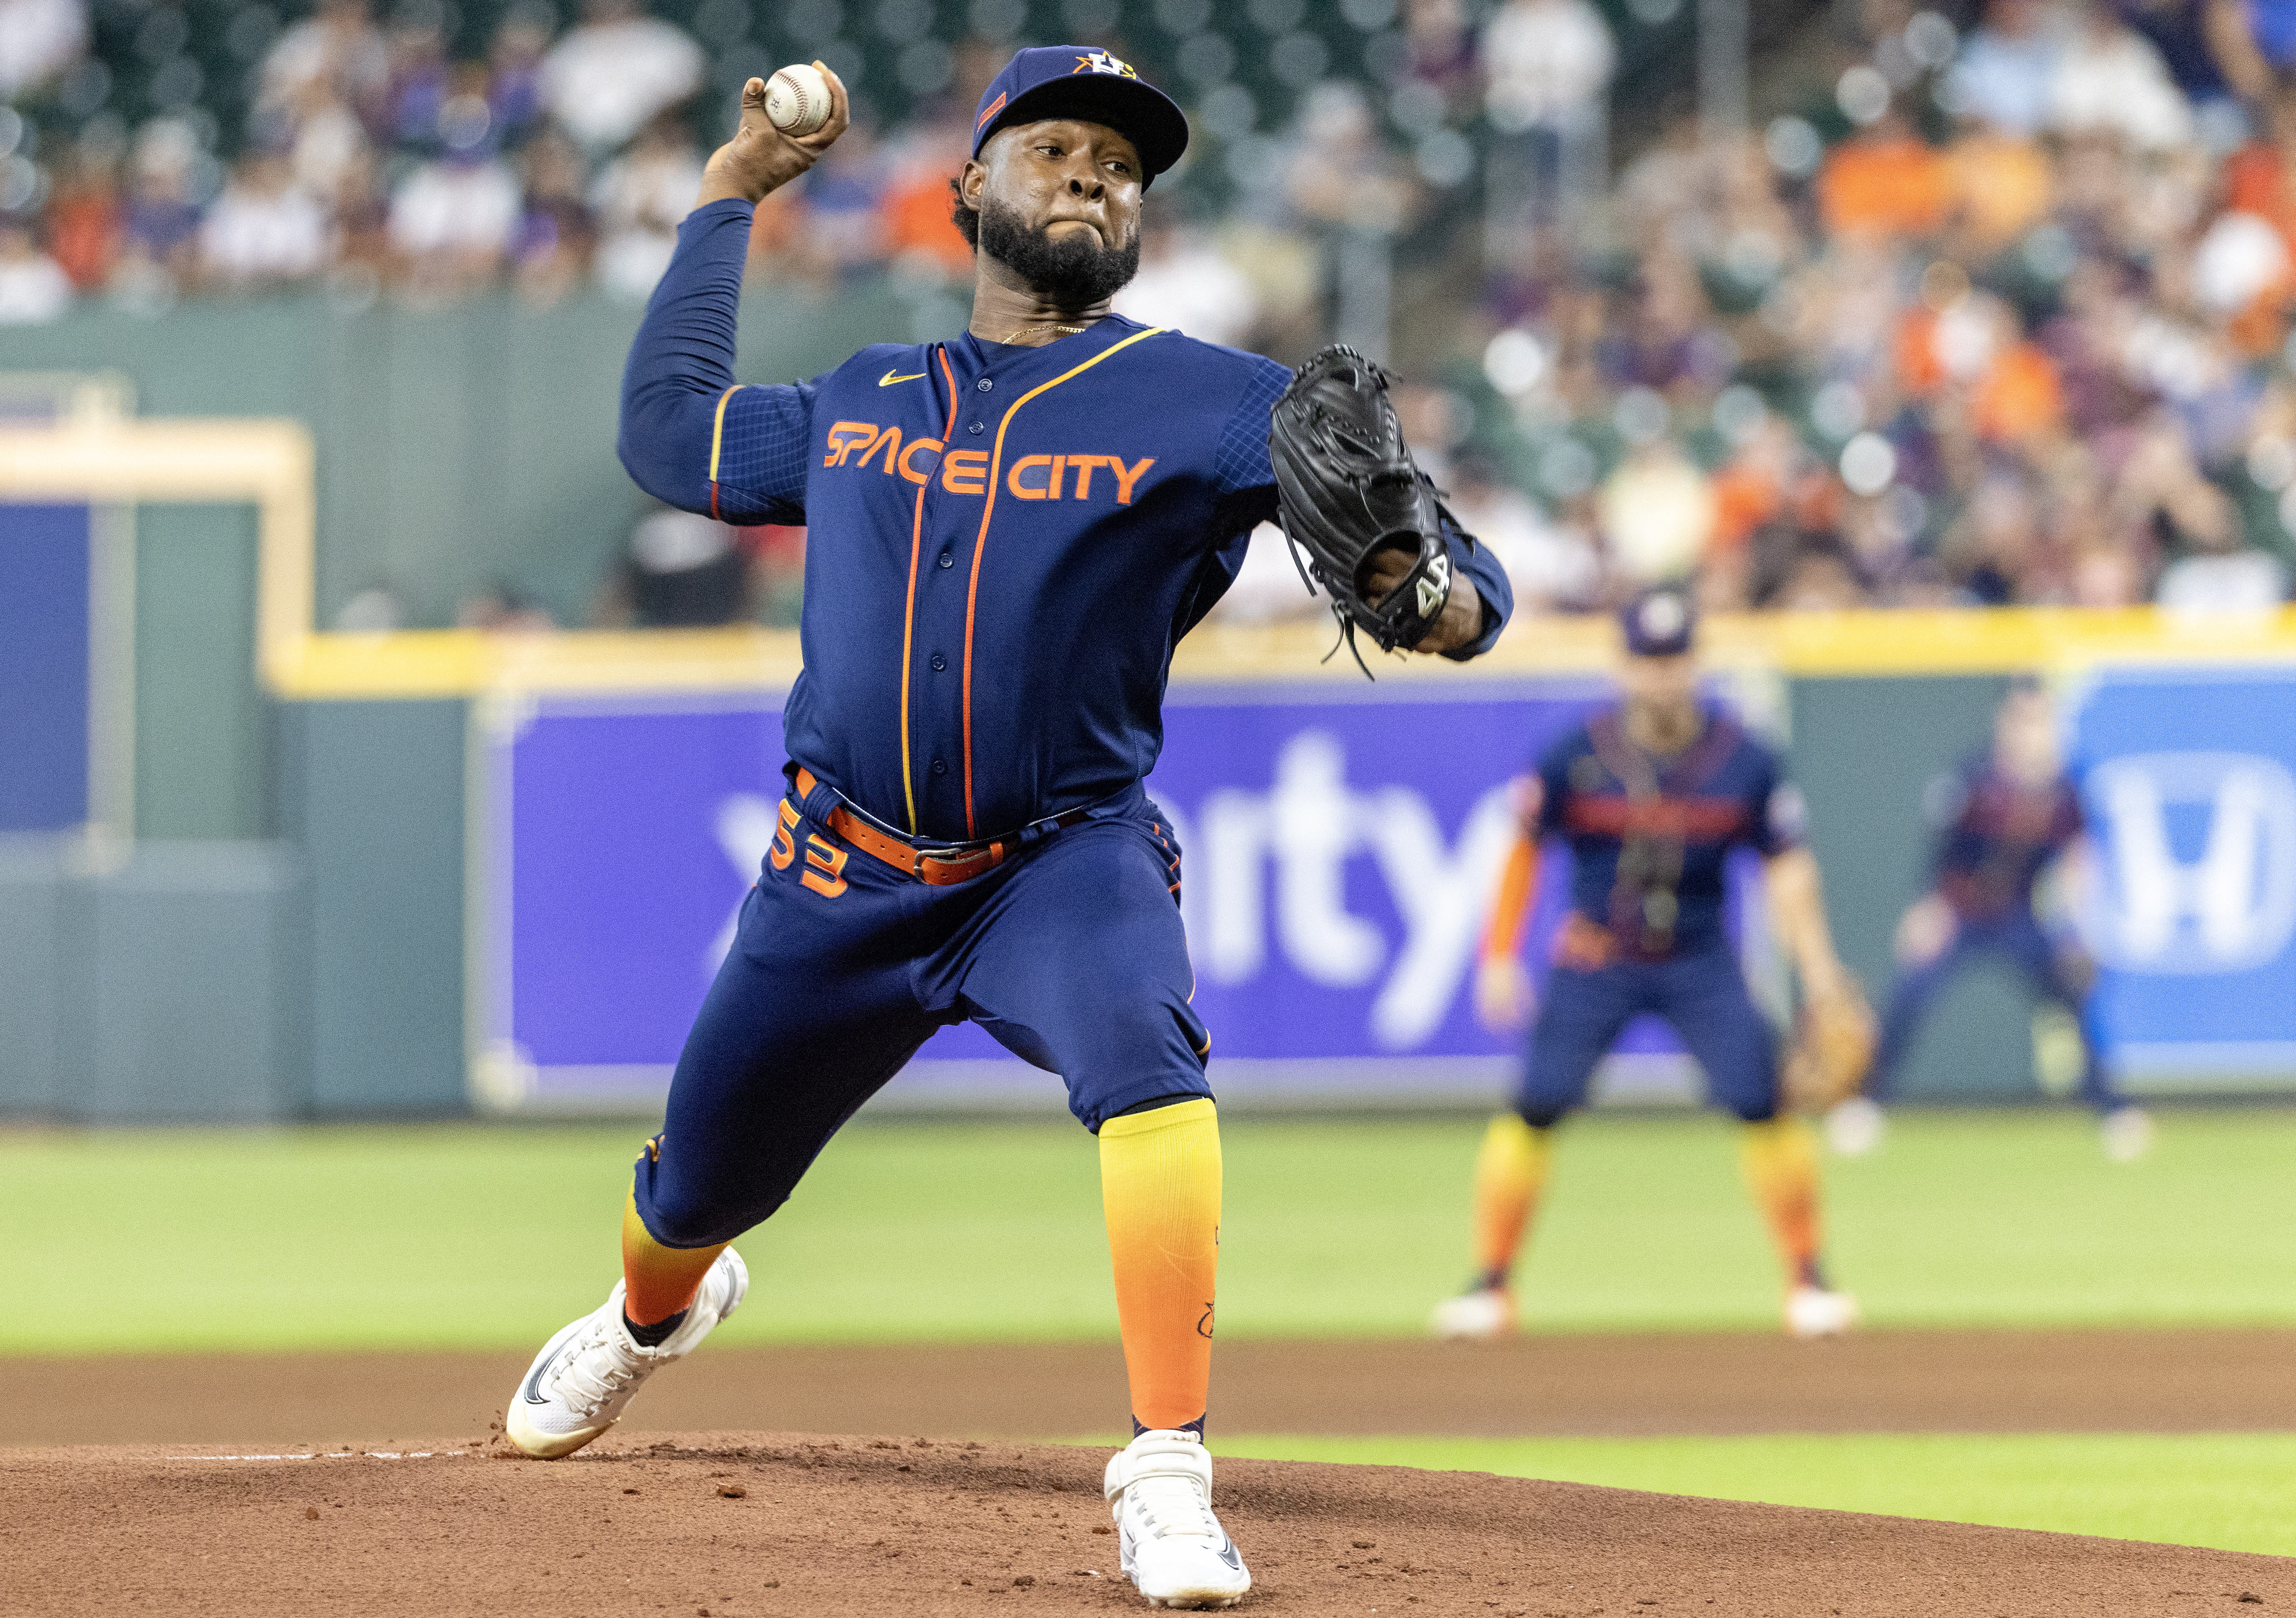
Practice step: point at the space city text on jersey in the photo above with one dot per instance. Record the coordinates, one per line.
(1004, 542)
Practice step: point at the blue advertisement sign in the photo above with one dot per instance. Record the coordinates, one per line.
(2189, 777)
(632, 835)
(1340, 855)
(46, 556)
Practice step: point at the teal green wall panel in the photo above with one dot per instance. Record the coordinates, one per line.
(1864, 750)
(372, 792)
(184, 1003)
(34, 983)
(202, 767)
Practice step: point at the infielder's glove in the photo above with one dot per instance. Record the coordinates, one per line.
(1348, 488)
(1833, 1048)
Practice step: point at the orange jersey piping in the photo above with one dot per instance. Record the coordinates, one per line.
(981, 540)
(909, 615)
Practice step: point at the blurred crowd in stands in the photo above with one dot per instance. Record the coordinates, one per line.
(365, 157)
(2001, 320)
(1991, 304)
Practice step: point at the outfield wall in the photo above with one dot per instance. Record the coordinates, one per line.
(507, 897)
(254, 870)
(1343, 843)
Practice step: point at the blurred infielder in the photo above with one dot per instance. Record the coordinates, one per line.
(2007, 819)
(1008, 533)
(1650, 796)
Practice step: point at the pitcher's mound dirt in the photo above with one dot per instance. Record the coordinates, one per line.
(732, 1525)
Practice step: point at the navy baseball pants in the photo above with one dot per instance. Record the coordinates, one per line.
(1070, 954)
(2054, 975)
(1702, 995)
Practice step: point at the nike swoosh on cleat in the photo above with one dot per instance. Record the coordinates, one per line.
(534, 1395)
(888, 379)
(1227, 1555)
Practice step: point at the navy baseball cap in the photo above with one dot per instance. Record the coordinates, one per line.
(1661, 622)
(1082, 82)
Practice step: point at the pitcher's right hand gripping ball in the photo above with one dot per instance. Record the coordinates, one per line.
(762, 157)
(1348, 488)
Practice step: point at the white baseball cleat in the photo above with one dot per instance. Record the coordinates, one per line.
(2127, 1134)
(585, 1377)
(1855, 1127)
(1175, 1553)
(1479, 1316)
(1815, 1312)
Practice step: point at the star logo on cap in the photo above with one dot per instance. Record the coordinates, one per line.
(1100, 62)
(1663, 617)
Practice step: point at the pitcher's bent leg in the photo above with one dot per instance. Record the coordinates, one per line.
(797, 1031)
(1080, 965)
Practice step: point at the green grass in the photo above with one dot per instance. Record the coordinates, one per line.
(489, 1236)
(2231, 1491)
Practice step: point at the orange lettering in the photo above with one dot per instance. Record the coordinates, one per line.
(909, 455)
(1059, 470)
(825, 867)
(845, 438)
(1125, 479)
(785, 850)
(1024, 491)
(1084, 464)
(965, 472)
(889, 441)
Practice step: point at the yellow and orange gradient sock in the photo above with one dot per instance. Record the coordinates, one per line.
(1510, 1172)
(1780, 1162)
(658, 1281)
(1160, 1187)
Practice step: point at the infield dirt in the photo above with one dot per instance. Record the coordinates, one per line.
(1876, 1381)
(730, 1525)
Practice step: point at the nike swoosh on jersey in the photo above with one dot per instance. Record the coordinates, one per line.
(888, 379)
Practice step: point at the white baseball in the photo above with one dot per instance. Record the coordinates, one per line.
(797, 100)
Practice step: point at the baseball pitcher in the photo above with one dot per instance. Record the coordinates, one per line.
(1008, 533)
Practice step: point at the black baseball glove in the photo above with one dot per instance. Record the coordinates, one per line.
(1348, 488)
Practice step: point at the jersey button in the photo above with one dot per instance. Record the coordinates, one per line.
(984, 384)
(939, 662)
(948, 559)
(941, 766)
(974, 428)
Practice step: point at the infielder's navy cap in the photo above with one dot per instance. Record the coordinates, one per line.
(1661, 622)
(1082, 82)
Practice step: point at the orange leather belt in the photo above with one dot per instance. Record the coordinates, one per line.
(936, 867)
(1584, 945)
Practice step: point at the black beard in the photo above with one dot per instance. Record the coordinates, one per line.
(1071, 271)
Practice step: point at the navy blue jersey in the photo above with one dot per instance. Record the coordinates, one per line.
(1649, 836)
(1004, 545)
(1998, 834)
